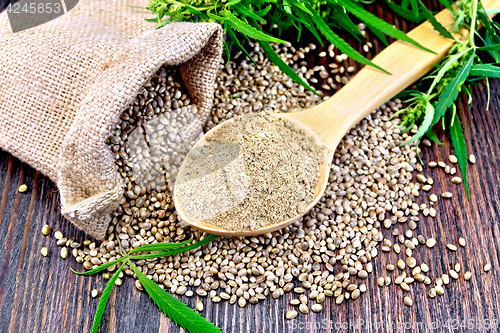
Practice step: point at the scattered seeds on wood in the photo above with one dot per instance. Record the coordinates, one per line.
(461, 241)
(64, 252)
(317, 307)
(138, 285)
(427, 188)
(94, 293)
(421, 239)
(456, 180)
(401, 264)
(362, 274)
(487, 267)
(453, 274)
(58, 235)
(291, 314)
(147, 227)
(255, 136)
(409, 280)
(23, 188)
(430, 242)
(387, 280)
(408, 301)
(426, 143)
(242, 302)
(46, 230)
(467, 276)
(421, 178)
(419, 277)
(451, 247)
(457, 267)
(447, 195)
(44, 251)
(303, 308)
(453, 159)
(411, 262)
(472, 158)
(199, 306)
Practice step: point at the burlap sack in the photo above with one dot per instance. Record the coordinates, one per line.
(64, 84)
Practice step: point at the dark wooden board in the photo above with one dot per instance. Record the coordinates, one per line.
(40, 294)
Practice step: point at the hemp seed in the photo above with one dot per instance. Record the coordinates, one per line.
(447, 195)
(291, 314)
(317, 307)
(46, 230)
(64, 252)
(303, 308)
(430, 242)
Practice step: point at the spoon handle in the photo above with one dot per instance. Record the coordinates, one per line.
(370, 88)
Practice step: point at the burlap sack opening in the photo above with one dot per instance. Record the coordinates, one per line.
(64, 84)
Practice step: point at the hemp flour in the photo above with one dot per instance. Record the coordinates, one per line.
(256, 171)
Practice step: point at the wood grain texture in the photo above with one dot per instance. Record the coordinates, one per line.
(40, 294)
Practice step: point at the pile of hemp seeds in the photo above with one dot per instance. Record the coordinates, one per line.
(328, 252)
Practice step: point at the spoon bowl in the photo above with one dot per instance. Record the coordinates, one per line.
(329, 121)
(318, 193)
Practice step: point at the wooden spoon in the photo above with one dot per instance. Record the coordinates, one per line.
(329, 121)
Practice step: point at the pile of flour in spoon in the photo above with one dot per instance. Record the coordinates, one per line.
(256, 171)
